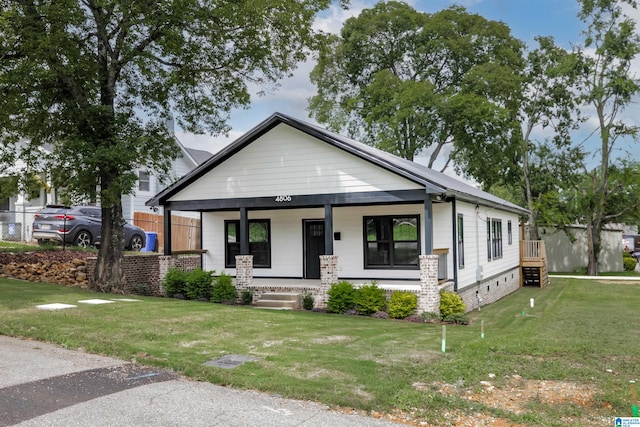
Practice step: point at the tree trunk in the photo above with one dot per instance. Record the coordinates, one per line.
(534, 233)
(593, 247)
(109, 272)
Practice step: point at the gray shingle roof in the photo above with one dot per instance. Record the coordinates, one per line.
(200, 156)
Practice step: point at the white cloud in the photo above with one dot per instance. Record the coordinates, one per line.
(332, 20)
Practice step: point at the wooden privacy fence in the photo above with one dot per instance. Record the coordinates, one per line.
(185, 231)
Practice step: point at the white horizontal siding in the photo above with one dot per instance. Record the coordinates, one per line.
(285, 161)
(136, 201)
(474, 229)
(350, 249)
(475, 244)
(443, 232)
(286, 240)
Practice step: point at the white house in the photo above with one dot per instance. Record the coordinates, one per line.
(289, 192)
(17, 212)
(150, 182)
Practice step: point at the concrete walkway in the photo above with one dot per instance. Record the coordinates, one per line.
(44, 385)
(618, 278)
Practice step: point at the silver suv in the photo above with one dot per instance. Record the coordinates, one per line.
(79, 225)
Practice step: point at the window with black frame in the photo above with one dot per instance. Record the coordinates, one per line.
(392, 242)
(496, 226)
(259, 242)
(460, 241)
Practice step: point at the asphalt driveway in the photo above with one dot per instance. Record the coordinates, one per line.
(44, 385)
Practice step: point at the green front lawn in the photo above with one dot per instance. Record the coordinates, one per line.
(580, 333)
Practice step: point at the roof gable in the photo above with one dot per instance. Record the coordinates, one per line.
(288, 161)
(433, 181)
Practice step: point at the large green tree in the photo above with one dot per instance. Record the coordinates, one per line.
(97, 79)
(607, 89)
(405, 81)
(549, 112)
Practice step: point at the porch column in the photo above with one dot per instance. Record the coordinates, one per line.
(244, 272)
(244, 231)
(328, 276)
(428, 226)
(429, 296)
(328, 230)
(167, 231)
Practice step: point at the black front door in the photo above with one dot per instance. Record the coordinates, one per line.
(313, 248)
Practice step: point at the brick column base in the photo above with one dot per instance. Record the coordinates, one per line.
(328, 276)
(244, 272)
(429, 296)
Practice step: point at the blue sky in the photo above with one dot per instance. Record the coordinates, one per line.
(526, 18)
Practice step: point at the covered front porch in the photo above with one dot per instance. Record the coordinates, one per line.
(427, 288)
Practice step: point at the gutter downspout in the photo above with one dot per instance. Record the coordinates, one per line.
(454, 221)
(479, 273)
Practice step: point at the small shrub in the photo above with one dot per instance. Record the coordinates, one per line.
(414, 318)
(431, 317)
(629, 264)
(175, 282)
(341, 297)
(199, 284)
(369, 299)
(307, 301)
(451, 303)
(402, 304)
(456, 318)
(246, 297)
(224, 290)
(582, 271)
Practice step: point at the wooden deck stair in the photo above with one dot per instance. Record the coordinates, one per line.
(533, 263)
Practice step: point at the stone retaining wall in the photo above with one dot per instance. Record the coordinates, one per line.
(68, 273)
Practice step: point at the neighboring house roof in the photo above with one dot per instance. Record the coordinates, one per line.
(200, 156)
(435, 182)
(196, 157)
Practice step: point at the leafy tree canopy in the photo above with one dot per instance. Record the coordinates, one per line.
(404, 81)
(97, 79)
(607, 89)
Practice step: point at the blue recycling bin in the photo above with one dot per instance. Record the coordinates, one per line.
(151, 241)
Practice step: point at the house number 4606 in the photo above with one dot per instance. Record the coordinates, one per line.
(283, 198)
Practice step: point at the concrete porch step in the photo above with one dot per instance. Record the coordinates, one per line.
(280, 301)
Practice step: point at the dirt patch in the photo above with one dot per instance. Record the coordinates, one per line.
(518, 392)
(332, 339)
(619, 282)
(514, 397)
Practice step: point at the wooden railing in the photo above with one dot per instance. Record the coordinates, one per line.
(442, 263)
(532, 250)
